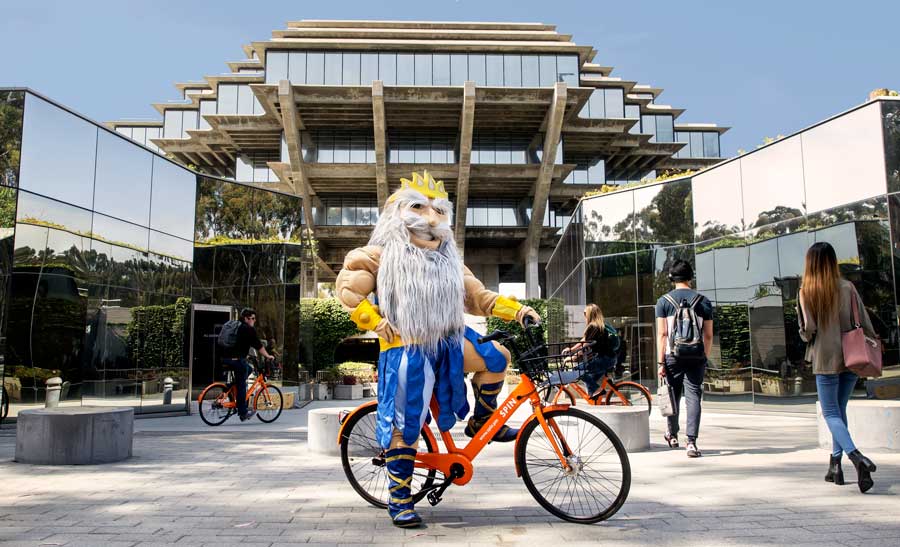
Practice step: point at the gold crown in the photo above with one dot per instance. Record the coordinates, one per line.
(424, 184)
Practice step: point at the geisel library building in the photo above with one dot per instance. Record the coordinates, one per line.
(125, 244)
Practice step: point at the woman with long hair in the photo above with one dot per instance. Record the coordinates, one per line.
(601, 356)
(826, 312)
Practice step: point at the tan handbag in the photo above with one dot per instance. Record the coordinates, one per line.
(665, 398)
(862, 355)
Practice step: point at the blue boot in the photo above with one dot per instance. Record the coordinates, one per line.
(485, 405)
(400, 465)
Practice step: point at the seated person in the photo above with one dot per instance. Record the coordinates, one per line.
(599, 343)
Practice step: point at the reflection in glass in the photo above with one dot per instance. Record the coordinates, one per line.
(843, 160)
(122, 184)
(717, 212)
(653, 271)
(663, 214)
(58, 153)
(890, 113)
(608, 224)
(172, 202)
(772, 182)
(11, 110)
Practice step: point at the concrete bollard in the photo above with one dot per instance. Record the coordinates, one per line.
(168, 384)
(54, 385)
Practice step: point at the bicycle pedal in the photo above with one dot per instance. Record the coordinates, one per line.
(434, 499)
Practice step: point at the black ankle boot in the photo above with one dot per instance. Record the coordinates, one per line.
(864, 469)
(835, 473)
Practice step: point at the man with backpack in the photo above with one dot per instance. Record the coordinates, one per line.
(235, 340)
(684, 324)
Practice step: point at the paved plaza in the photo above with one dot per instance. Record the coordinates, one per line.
(759, 482)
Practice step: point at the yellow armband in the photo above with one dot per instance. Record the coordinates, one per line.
(505, 308)
(365, 315)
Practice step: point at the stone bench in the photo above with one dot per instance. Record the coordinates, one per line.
(324, 424)
(873, 423)
(74, 435)
(630, 423)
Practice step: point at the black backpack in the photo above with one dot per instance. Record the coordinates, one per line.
(686, 338)
(229, 334)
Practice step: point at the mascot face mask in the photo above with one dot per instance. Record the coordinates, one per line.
(423, 206)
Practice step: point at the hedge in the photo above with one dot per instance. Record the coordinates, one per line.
(326, 323)
(551, 311)
(155, 335)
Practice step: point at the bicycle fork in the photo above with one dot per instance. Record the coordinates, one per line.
(556, 439)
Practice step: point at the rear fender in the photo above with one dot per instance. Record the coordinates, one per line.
(346, 418)
(530, 419)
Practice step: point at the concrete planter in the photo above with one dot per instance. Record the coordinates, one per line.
(305, 392)
(348, 392)
(320, 392)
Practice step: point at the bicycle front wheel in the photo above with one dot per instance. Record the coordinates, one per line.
(596, 481)
(268, 403)
(212, 409)
(363, 460)
(630, 394)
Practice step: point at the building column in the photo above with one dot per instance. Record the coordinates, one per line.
(466, 124)
(491, 277)
(552, 133)
(292, 126)
(380, 125)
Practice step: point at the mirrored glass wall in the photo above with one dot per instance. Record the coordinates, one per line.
(745, 226)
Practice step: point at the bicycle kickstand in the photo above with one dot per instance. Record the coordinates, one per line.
(434, 496)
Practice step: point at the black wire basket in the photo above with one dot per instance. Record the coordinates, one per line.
(547, 362)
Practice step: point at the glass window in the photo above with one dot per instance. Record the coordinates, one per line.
(441, 68)
(315, 68)
(243, 168)
(245, 100)
(341, 148)
(596, 105)
(512, 70)
(172, 202)
(503, 151)
(122, 187)
(422, 151)
(368, 68)
(548, 70)
(608, 224)
(172, 120)
(358, 149)
(171, 247)
(333, 214)
(297, 67)
(530, 71)
(567, 68)
(494, 69)
(276, 66)
(189, 121)
(228, 100)
(696, 147)
(459, 68)
(648, 126)
(387, 68)
(423, 68)
(406, 70)
(614, 102)
(58, 153)
(119, 233)
(348, 212)
(438, 152)
(665, 129)
(597, 172)
(843, 160)
(717, 212)
(662, 214)
(325, 142)
(710, 144)
(772, 181)
(40, 211)
(333, 69)
(477, 68)
(207, 108)
(890, 113)
(351, 69)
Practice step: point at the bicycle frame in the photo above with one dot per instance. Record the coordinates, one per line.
(231, 394)
(457, 462)
(606, 384)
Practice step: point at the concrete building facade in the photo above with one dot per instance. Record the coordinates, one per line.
(516, 119)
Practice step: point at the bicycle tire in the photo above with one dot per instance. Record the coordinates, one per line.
(206, 406)
(373, 451)
(634, 388)
(548, 394)
(280, 404)
(531, 467)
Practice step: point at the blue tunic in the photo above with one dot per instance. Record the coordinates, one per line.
(407, 378)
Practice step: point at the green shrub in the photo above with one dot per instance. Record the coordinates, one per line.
(364, 372)
(552, 316)
(326, 323)
(155, 335)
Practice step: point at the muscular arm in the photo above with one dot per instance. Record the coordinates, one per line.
(357, 277)
(479, 300)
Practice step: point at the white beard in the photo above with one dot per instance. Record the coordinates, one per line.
(420, 291)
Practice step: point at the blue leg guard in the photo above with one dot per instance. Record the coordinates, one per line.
(485, 405)
(400, 465)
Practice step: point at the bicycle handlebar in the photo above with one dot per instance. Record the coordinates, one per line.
(496, 335)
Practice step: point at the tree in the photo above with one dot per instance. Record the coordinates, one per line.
(11, 108)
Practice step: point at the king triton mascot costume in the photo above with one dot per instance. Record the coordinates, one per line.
(410, 286)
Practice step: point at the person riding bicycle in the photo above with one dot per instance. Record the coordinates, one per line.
(600, 344)
(420, 290)
(236, 339)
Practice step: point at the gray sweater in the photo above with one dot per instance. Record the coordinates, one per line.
(823, 348)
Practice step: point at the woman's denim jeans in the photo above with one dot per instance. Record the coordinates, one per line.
(834, 393)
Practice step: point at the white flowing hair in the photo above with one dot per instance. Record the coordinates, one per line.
(420, 291)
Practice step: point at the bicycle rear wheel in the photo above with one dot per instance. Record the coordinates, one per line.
(630, 394)
(599, 476)
(554, 394)
(268, 403)
(363, 460)
(211, 400)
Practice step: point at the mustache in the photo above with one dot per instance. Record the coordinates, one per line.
(420, 227)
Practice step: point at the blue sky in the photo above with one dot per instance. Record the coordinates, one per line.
(761, 67)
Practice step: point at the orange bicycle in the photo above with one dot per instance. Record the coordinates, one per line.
(218, 401)
(622, 393)
(572, 463)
